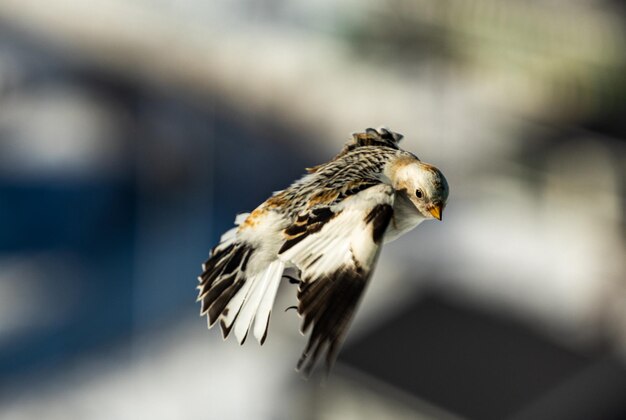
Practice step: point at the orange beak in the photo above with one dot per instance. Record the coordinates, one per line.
(436, 211)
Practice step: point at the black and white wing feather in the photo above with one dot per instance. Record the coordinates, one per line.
(336, 248)
(371, 137)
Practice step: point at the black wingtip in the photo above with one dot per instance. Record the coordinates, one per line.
(212, 320)
(267, 327)
(225, 329)
(244, 337)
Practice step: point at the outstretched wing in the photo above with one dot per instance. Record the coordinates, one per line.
(335, 247)
(381, 137)
(373, 137)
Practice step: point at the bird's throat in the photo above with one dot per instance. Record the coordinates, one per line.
(405, 218)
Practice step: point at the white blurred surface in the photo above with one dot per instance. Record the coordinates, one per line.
(185, 373)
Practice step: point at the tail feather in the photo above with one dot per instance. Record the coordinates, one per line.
(251, 306)
(213, 268)
(262, 318)
(221, 302)
(234, 295)
(222, 279)
(230, 313)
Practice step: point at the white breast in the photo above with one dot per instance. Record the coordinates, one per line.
(405, 218)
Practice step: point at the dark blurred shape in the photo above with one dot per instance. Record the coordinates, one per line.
(595, 392)
(485, 366)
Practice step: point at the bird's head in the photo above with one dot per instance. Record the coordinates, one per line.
(423, 184)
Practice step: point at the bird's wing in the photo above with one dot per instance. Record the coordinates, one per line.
(371, 137)
(335, 247)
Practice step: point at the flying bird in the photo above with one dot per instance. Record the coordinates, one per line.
(329, 227)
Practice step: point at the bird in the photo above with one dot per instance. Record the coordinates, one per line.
(328, 228)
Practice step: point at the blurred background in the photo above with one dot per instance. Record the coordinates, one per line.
(131, 133)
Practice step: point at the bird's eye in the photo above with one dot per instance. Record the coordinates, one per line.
(418, 193)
